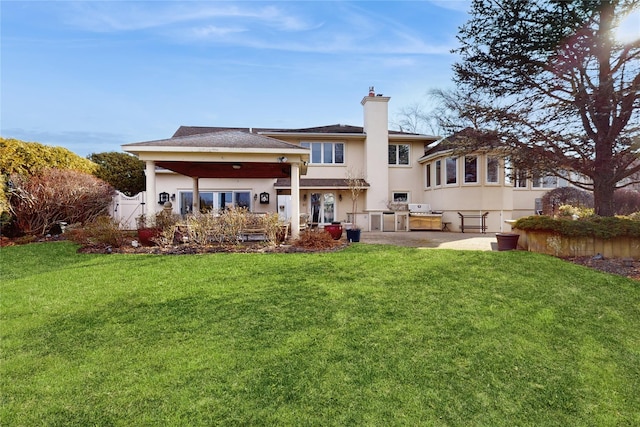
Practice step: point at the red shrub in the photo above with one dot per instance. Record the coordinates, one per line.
(41, 201)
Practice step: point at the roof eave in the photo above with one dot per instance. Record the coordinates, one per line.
(431, 156)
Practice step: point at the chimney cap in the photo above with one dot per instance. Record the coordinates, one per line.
(372, 91)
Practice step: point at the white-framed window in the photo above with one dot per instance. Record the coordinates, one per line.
(400, 197)
(514, 177)
(470, 169)
(451, 170)
(399, 154)
(325, 152)
(438, 173)
(547, 181)
(427, 175)
(520, 178)
(214, 200)
(493, 168)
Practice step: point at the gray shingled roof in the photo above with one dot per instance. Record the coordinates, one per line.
(220, 139)
(336, 129)
(461, 139)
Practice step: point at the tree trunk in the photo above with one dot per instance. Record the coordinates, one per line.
(603, 197)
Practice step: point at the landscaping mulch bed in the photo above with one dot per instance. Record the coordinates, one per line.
(187, 249)
(621, 266)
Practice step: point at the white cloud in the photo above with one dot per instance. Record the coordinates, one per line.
(214, 31)
(129, 16)
(339, 27)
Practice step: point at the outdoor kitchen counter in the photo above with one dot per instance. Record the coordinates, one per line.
(425, 221)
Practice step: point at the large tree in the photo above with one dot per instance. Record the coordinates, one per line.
(554, 85)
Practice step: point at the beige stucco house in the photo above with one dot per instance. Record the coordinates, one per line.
(304, 171)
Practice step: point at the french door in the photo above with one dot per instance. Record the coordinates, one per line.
(323, 208)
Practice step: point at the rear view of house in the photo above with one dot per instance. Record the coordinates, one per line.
(303, 172)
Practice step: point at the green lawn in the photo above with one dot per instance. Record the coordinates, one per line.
(371, 335)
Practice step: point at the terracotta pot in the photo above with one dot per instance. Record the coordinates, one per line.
(335, 230)
(146, 236)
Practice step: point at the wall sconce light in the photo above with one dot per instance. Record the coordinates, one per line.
(236, 166)
(173, 197)
(282, 159)
(255, 197)
(162, 198)
(264, 198)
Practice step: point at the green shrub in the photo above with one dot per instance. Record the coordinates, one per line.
(592, 226)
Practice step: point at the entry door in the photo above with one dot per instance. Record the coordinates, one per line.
(323, 208)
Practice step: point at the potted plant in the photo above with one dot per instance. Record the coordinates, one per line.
(147, 230)
(335, 229)
(356, 185)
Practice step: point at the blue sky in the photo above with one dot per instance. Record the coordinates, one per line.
(92, 75)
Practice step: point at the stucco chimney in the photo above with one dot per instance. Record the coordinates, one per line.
(376, 149)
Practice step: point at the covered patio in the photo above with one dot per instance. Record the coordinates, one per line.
(226, 154)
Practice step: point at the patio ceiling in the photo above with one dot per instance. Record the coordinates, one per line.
(228, 169)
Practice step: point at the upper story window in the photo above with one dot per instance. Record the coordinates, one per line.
(427, 177)
(493, 166)
(544, 182)
(325, 152)
(519, 178)
(438, 172)
(398, 154)
(515, 177)
(451, 170)
(470, 169)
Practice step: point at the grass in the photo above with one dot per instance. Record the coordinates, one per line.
(372, 335)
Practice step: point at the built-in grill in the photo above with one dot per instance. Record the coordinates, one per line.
(416, 209)
(421, 217)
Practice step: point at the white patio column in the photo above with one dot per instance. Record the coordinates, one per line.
(295, 200)
(196, 195)
(150, 173)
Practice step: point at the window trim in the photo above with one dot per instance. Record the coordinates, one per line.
(446, 171)
(486, 176)
(427, 175)
(397, 162)
(538, 182)
(393, 196)
(215, 198)
(323, 144)
(476, 181)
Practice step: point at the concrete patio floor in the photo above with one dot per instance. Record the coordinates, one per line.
(433, 239)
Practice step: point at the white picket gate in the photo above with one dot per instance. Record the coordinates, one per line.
(125, 209)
